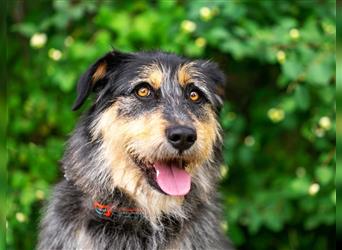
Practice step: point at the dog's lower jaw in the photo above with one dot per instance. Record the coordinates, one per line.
(153, 203)
(156, 204)
(126, 176)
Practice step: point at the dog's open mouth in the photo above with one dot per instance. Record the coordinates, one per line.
(167, 176)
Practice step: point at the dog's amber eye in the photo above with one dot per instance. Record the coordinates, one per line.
(143, 92)
(194, 96)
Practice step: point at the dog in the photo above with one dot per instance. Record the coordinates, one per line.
(142, 166)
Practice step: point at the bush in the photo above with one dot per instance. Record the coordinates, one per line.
(278, 187)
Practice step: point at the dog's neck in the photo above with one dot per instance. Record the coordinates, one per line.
(112, 212)
(119, 208)
(115, 206)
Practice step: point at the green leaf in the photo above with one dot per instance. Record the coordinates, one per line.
(299, 187)
(236, 234)
(321, 71)
(26, 29)
(292, 68)
(324, 175)
(302, 97)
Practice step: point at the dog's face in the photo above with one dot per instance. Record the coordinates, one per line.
(155, 116)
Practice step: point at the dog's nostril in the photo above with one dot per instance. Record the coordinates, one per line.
(181, 137)
(175, 137)
(191, 138)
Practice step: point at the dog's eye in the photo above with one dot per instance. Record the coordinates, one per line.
(143, 91)
(195, 96)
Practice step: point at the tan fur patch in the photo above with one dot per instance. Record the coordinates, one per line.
(152, 74)
(207, 134)
(156, 77)
(100, 72)
(186, 73)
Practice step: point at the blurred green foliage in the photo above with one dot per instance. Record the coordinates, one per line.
(339, 117)
(278, 189)
(3, 124)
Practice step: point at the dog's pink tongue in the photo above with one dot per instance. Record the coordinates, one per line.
(172, 179)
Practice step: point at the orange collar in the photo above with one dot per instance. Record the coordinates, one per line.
(110, 211)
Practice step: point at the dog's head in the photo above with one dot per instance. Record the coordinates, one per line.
(154, 117)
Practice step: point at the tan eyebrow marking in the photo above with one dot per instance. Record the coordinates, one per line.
(185, 74)
(153, 74)
(156, 77)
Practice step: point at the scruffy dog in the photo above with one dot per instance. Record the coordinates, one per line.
(142, 166)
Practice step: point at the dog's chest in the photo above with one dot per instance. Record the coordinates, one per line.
(96, 236)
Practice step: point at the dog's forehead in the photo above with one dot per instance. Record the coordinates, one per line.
(158, 72)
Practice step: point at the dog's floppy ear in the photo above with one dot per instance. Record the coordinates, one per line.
(96, 75)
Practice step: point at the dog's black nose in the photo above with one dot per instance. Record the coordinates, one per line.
(181, 137)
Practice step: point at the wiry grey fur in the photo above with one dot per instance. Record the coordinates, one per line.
(70, 223)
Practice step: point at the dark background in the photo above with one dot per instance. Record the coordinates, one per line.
(278, 188)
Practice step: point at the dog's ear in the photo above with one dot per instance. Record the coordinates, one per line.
(96, 76)
(218, 80)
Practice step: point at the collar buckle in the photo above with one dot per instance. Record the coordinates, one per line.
(103, 210)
